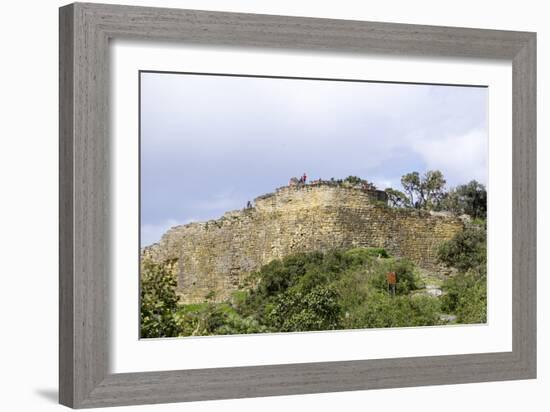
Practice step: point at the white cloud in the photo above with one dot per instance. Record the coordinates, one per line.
(461, 157)
(384, 184)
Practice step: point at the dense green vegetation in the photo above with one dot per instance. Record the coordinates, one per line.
(321, 291)
(428, 192)
(469, 199)
(466, 292)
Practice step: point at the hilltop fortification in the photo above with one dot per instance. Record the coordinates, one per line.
(214, 256)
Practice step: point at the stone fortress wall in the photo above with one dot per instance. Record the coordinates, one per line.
(214, 256)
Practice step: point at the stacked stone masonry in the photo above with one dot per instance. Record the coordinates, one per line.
(214, 256)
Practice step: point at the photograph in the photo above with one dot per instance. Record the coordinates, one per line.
(280, 204)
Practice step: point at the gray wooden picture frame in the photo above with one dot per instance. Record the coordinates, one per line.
(85, 31)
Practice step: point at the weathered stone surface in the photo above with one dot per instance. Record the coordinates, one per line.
(214, 256)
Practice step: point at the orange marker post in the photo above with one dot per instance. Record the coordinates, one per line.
(392, 282)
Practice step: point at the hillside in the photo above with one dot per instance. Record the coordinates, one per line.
(211, 259)
(317, 291)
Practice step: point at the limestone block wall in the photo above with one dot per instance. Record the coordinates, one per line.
(214, 256)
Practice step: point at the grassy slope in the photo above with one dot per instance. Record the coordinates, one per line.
(355, 281)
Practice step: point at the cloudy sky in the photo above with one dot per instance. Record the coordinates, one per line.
(211, 143)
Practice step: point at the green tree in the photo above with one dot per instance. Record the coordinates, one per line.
(451, 203)
(397, 198)
(426, 191)
(434, 188)
(413, 188)
(470, 199)
(159, 302)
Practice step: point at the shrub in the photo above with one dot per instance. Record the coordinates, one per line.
(467, 250)
(360, 256)
(214, 319)
(354, 180)
(466, 291)
(424, 311)
(466, 296)
(407, 279)
(317, 310)
(383, 311)
(159, 301)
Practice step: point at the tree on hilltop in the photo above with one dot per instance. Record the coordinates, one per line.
(470, 199)
(397, 198)
(353, 180)
(426, 191)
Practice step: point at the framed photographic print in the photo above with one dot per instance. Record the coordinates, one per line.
(257, 205)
